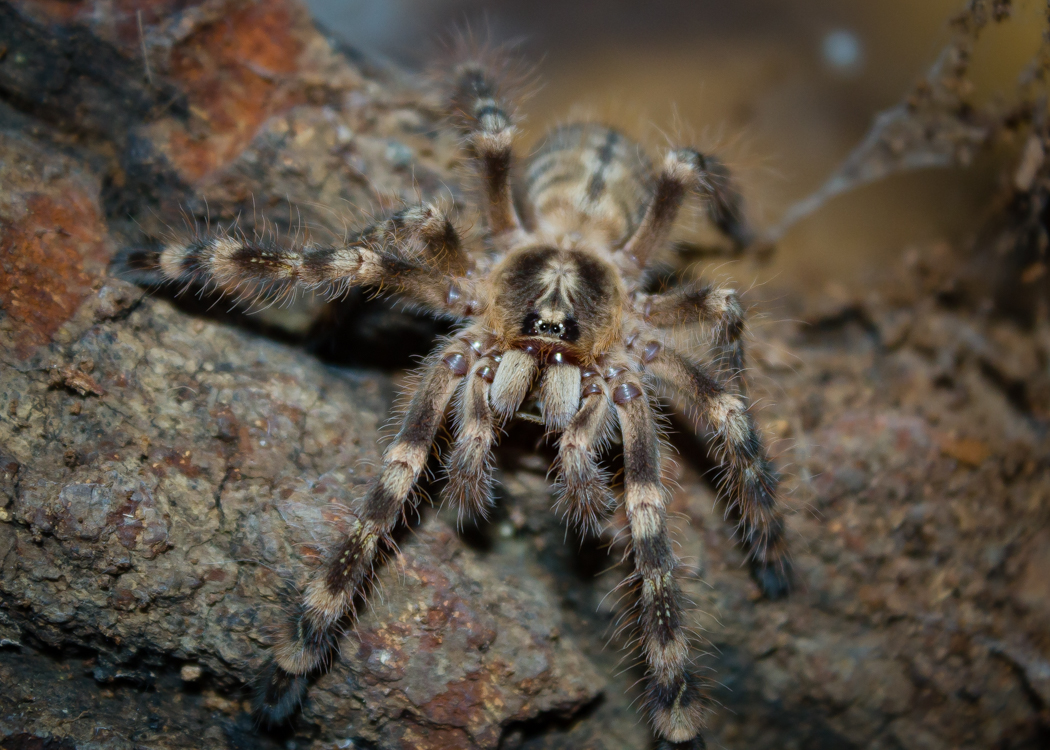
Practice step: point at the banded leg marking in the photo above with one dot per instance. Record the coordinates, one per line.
(488, 125)
(687, 169)
(308, 641)
(749, 479)
(675, 701)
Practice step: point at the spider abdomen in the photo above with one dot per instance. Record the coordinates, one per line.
(588, 180)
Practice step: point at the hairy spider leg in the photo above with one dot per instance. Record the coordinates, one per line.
(749, 480)
(485, 118)
(399, 255)
(676, 702)
(684, 170)
(330, 593)
(718, 308)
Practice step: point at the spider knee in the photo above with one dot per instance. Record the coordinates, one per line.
(694, 168)
(683, 165)
(480, 102)
(727, 308)
(728, 414)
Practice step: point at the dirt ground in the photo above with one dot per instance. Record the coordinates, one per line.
(166, 463)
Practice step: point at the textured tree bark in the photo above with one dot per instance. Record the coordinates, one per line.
(165, 466)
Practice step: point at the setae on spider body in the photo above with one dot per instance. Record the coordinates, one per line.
(553, 310)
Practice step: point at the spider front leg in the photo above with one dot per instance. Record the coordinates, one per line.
(308, 641)
(583, 485)
(718, 308)
(749, 479)
(469, 467)
(416, 253)
(676, 703)
(684, 170)
(486, 120)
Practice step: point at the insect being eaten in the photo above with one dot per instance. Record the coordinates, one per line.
(554, 312)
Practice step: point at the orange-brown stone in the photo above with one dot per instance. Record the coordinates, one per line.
(49, 258)
(233, 71)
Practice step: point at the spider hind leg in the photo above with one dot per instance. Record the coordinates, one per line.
(718, 308)
(485, 118)
(683, 170)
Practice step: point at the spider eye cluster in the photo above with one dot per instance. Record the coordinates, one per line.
(555, 329)
(535, 325)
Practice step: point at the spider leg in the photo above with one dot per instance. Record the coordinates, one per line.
(675, 700)
(485, 119)
(309, 641)
(559, 394)
(583, 485)
(749, 479)
(416, 253)
(716, 307)
(687, 169)
(469, 466)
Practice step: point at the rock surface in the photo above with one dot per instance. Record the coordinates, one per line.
(165, 467)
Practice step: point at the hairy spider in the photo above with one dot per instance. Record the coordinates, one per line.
(554, 309)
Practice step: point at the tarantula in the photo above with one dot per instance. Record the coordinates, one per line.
(555, 309)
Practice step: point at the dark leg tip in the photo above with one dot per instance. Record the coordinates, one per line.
(139, 265)
(773, 580)
(279, 696)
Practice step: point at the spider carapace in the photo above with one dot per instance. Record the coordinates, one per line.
(554, 309)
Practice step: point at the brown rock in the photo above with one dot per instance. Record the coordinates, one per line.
(52, 242)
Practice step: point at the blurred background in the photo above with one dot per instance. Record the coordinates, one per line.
(782, 90)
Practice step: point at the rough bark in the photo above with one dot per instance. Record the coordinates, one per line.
(165, 466)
